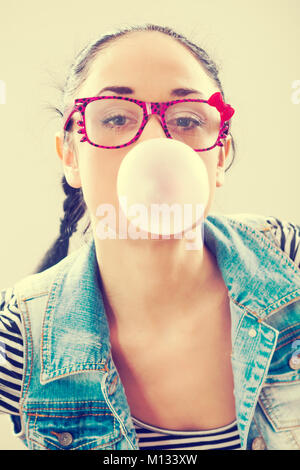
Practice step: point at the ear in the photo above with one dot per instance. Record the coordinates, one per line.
(223, 154)
(69, 161)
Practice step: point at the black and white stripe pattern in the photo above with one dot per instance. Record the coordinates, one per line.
(287, 237)
(151, 437)
(11, 352)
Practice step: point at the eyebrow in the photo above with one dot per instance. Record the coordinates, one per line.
(123, 90)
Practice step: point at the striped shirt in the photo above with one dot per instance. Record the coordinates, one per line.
(286, 235)
(152, 437)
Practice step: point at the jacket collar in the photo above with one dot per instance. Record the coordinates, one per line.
(75, 334)
(260, 278)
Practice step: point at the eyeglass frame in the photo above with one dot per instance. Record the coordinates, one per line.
(226, 112)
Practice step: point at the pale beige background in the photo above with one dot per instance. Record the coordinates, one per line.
(257, 45)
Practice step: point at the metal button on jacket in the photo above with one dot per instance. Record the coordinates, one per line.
(252, 332)
(258, 444)
(294, 362)
(65, 438)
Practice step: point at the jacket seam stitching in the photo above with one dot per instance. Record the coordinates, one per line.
(39, 294)
(55, 282)
(46, 409)
(68, 372)
(257, 315)
(296, 299)
(68, 417)
(70, 401)
(268, 243)
(289, 382)
(275, 421)
(79, 446)
(295, 438)
(289, 327)
(288, 342)
(25, 389)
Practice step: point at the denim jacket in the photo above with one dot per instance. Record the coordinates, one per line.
(72, 396)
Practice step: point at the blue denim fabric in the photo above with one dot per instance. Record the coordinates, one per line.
(72, 395)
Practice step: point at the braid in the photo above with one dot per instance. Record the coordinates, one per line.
(74, 208)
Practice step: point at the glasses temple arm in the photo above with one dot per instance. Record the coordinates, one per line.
(69, 112)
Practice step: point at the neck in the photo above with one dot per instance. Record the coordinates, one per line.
(149, 283)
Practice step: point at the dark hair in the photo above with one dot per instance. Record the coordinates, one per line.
(74, 205)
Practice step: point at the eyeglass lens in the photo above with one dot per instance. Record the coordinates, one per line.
(116, 122)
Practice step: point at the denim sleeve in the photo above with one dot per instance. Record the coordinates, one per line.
(11, 352)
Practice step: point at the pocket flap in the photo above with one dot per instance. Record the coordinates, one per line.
(281, 405)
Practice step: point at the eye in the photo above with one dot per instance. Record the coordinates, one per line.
(186, 122)
(183, 121)
(117, 120)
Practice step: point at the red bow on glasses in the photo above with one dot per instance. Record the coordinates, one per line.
(226, 110)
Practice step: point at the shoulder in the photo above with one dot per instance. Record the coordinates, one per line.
(10, 316)
(285, 234)
(37, 284)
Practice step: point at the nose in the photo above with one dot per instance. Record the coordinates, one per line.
(153, 129)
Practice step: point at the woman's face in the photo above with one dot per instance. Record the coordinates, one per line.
(152, 64)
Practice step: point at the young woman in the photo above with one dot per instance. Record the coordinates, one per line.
(131, 344)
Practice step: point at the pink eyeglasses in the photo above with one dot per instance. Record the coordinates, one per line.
(114, 122)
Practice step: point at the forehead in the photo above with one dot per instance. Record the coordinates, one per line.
(150, 62)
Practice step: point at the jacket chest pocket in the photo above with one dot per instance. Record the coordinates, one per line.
(280, 405)
(73, 429)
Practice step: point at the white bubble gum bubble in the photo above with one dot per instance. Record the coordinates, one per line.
(163, 172)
